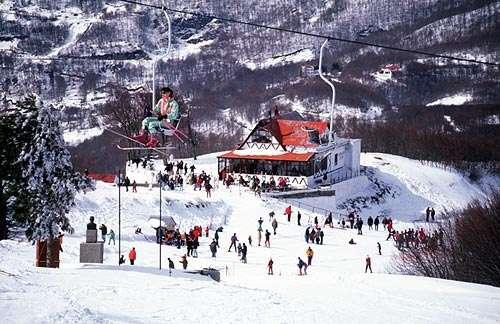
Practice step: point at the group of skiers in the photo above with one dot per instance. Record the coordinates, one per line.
(314, 234)
(178, 168)
(411, 238)
(255, 183)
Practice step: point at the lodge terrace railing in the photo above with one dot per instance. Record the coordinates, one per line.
(314, 209)
(292, 181)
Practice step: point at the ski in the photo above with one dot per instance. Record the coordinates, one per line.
(135, 141)
(145, 148)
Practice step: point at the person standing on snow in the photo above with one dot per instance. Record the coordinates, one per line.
(104, 232)
(376, 222)
(359, 226)
(132, 255)
(111, 237)
(126, 183)
(260, 221)
(267, 243)
(368, 264)
(379, 248)
(299, 215)
(250, 240)
(184, 262)
(213, 248)
(274, 224)
(194, 252)
(288, 212)
(306, 235)
(244, 251)
(301, 265)
(309, 254)
(270, 266)
(433, 213)
(216, 237)
(234, 239)
(321, 235)
(370, 222)
(171, 264)
(259, 230)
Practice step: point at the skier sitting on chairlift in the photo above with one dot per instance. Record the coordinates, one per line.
(166, 109)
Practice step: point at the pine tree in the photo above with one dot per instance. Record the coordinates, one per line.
(17, 126)
(52, 182)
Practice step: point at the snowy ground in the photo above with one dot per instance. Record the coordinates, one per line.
(336, 289)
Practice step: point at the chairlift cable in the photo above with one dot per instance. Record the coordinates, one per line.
(344, 40)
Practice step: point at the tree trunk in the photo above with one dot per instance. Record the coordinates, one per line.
(3, 214)
(52, 253)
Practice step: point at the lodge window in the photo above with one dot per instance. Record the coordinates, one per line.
(336, 160)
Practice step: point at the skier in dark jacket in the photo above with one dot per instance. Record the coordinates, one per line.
(267, 243)
(321, 235)
(359, 226)
(301, 265)
(376, 222)
(370, 222)
(306, 235)
(271, 215)
(184, 262)
(274, 224)
(368, 264)
(244, 251)
(234, 239)
(127, 183)
(298, 218)
(194, 251)
(213, 248)
(171, 264)
(104, 232)
(216, 238)
(351, 219)
(189, 245)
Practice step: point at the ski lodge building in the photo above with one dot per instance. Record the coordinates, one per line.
(296, 149)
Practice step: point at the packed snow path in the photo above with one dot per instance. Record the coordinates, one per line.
(336, 289)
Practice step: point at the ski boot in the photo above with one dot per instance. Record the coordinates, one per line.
(153, 142)
(143, 137)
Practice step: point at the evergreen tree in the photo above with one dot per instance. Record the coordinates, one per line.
(17, 126)
(51, 181)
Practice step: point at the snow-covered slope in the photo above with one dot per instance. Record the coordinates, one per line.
(336, 289)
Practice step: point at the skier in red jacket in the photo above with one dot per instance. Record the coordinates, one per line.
(132, 256)
(288, 212)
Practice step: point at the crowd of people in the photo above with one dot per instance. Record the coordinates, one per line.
(178, 174)
(413, 238)
(255, 183)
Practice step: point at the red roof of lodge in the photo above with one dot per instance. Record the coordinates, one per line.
(296, 132)
(104, 177)
(288, 156)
